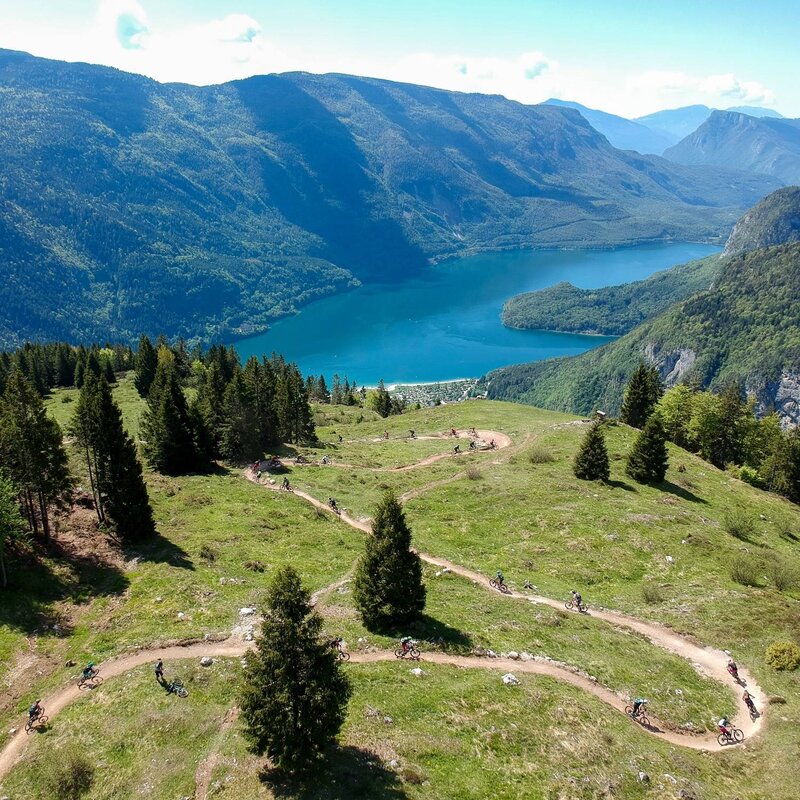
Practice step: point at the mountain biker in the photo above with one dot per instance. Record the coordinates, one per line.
(639, 705)
(723, 725)
(159, 670)
(35, 710)
(332, 504)
(748, 701)
(341, 438)
(492, 445)
(89, 671)
(386, 434)
(285, 483)
(413, 434)
(337, 643)
(577, 599)
(324, 460)
(456, 449)
(733, 669)
(406, 643)
(453, 432)
(472, 445)
(500, 578)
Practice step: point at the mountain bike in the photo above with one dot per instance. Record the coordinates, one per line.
(177, 687)
(90, 681)
(39, 721)
(734, 736)
(641, 717)
(412, 653)
(343, 655)
(500, 586)
(571, 605)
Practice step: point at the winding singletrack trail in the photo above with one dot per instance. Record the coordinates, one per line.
(707, 661)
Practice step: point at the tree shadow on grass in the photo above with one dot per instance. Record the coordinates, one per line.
(347, 773)
(161, 550)
(622, 485)
(39, 578)
(680, 491)
(428, 630)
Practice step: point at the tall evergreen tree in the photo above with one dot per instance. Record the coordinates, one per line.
(648, 459)
(239, 429)
(383, 401)
(641, 395)
(114, 469)
(168, 440)
(210, 406)
(591, 460)
(146, 365)
(780, 470)
(294, 697)
(388, 587)
(32, 452)
(12, 526)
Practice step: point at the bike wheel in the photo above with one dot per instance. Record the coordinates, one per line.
(493, 584)
(344, 656)
(28, 726)
(643, 720)
(504, 589)
(399, 653)
(569, 605)
(722, 739)
(414, 653)
(97, 681)
(629, 710)
(738, 735)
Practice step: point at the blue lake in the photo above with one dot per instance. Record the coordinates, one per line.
(446, 324)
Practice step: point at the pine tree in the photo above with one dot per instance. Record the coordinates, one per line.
(591, 461)
(781, 468)
(648, 459)
(85, 428)
(643, 392)
(12, 526)
(210, 404)
(239, 433)
(295, 695)
(388, 587)
(146, 365)
(166, 429)
(383, 401)
(32, 452)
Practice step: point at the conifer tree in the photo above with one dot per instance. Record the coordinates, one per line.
(591, 461)
(648, 459)
(114, 469)
(383, 401)
(295, 695)
(166, 429)
(643, 392)
(239, 430)
(146, 365)
(210, 406)
(12, 526)
(80, 373)
(781, 468)
(388, 587)
(32, 452)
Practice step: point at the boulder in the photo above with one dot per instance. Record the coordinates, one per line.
(206, 661)
(246, 612)
(509, 679)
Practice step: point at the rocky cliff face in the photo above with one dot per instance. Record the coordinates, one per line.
(782, 395)
(775, 220)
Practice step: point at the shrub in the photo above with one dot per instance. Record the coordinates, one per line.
(739, 525)
(540, 455)
(473, 473)
(744, 571)
(652, 593)
(783, 575)
(255, 566)
(751, 476)
(68, 776)
(783, 655)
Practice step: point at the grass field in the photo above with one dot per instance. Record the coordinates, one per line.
(663, 554)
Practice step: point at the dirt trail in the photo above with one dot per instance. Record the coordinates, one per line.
(205, 769)
(707, 661)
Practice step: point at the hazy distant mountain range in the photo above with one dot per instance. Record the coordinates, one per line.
(743, 324)
(130, 206)
(766, 146)
(654, 133)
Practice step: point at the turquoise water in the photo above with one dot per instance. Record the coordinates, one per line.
(446, 324)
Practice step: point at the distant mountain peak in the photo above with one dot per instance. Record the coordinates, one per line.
(775, 220)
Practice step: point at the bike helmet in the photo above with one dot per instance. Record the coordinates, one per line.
(91, 663)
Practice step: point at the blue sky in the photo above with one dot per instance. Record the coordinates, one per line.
(630, 58)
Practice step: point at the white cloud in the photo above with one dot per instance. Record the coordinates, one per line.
(713, 90)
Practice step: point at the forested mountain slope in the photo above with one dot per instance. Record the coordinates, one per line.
(775, 220)
(611, 310)
(767, 146)
(745, 327)
(127, 205)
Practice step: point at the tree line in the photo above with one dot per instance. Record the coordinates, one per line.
(721, 427)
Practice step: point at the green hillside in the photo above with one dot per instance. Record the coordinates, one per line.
(774, 220)
(745, 328)
(661, 553)
(130, 206)
(611, 310)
